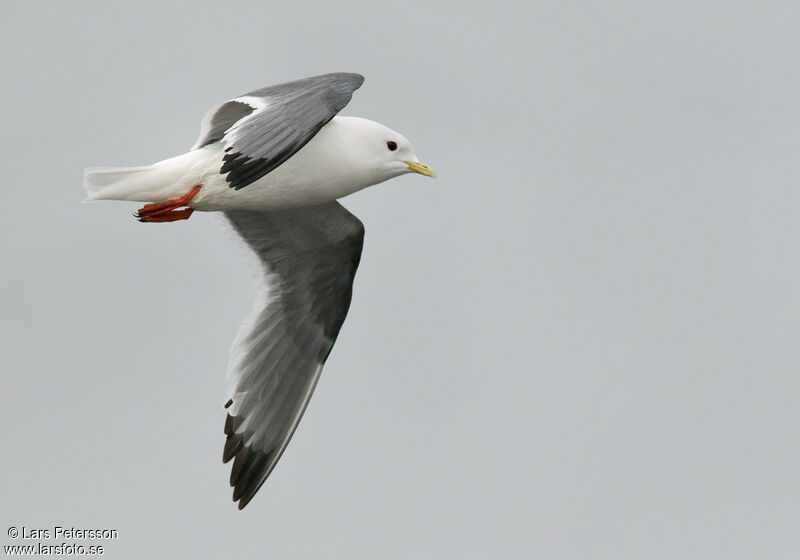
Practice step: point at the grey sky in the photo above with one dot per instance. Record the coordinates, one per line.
(580, 342)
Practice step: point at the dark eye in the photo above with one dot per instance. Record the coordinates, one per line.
(392, 145)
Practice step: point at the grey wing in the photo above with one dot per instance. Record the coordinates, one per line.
(309, 257)
(264, 128)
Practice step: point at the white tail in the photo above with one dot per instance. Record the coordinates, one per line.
(161, 181)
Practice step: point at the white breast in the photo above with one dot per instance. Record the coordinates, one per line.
(323, 170)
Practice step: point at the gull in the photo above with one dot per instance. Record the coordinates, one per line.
(274, 162)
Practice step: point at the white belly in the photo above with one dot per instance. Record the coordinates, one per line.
(316, 174)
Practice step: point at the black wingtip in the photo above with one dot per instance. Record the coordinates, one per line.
(232, 424)
(244, 499)
(232, 446)
(239, 461)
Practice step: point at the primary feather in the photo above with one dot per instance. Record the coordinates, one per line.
(309, 258)
(264, 128)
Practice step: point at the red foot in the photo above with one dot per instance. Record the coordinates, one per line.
(169, 216)
(168, 211)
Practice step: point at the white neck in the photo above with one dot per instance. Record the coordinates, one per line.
(338, 161)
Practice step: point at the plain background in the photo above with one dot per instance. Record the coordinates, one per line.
(580, 342)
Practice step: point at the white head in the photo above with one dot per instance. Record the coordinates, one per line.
(379, 152)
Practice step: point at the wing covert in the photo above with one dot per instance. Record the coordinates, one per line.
(264, 128)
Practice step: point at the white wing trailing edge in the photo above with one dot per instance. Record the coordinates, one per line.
(309, 258)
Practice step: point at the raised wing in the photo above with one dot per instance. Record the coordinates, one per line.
(264, 128)
(309, 257)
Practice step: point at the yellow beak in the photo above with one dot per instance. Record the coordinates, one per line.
(421, 168)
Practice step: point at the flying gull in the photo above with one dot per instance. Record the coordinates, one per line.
(275, 161)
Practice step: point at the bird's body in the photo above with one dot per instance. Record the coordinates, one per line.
(275, 161)
(297, 182)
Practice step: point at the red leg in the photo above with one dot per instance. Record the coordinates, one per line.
(168, 211)
(169, 216)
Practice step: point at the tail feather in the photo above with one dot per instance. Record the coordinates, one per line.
(152, 183)
(115, 182)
